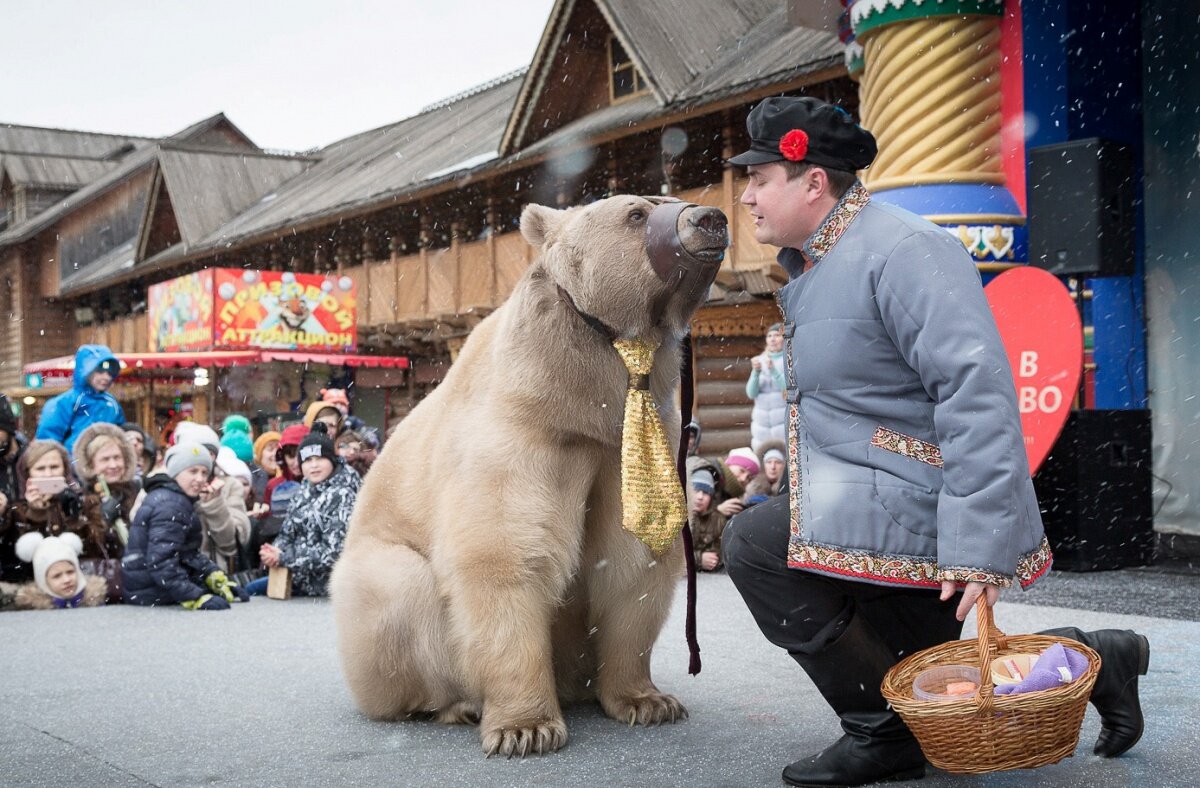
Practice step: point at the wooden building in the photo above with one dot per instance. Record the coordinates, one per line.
(642, 96)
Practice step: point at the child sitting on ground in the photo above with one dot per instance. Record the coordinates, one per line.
(163, 563)
(314, 531)
(706, 522)
(57, 580)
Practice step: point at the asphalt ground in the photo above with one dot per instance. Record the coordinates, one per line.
(127, 696)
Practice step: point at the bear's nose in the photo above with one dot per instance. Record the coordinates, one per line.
(709, 221)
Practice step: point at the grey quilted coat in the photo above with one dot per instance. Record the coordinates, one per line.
(906, 462)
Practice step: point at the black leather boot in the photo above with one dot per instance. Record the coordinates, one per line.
(1124, 655)
(877, 746)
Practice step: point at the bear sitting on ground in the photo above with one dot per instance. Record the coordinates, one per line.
(486, 576)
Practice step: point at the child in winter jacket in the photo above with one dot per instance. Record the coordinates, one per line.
(314, 531)
(58, 581)
(163, 563)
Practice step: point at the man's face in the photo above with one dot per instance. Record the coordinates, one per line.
(100, 380)
(786, 212)
(62, 579)
(701, 500)
(330, 421)
(741, 474)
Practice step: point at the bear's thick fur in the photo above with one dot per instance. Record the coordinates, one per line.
(486, 576)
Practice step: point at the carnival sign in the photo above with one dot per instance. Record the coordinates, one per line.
(284, 311)
(180, 313)
(1043, 338)
(237, 309)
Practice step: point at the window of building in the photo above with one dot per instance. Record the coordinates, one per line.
(626, 79)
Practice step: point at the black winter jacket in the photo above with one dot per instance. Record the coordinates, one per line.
(163, 564)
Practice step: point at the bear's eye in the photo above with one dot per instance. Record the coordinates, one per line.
(637, 215)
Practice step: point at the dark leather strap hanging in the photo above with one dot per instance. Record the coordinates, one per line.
(686, 400)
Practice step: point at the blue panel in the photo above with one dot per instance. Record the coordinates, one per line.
(1120, 356)
(944, 198)
(1044, 30)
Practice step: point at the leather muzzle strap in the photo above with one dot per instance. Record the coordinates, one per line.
(664, 247)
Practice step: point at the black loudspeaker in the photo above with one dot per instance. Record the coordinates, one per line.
(1094, 491)
(1081, 208)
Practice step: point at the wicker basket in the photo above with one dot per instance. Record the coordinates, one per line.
(989, 732)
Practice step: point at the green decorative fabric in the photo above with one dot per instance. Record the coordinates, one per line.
(866, 15)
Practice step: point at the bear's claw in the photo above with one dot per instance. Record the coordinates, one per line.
(522, 740)
(651, 708)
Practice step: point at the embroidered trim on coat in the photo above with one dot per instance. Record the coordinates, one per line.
(853, 201)
(908, 446)
(1033, 565)
(909, 570)
(793, 468)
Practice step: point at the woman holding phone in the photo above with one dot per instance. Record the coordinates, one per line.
(51, 502)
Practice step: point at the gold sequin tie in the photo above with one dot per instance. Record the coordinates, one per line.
(652, 501)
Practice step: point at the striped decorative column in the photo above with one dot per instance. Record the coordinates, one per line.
(930, 93)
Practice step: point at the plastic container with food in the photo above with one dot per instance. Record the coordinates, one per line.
(946, 682)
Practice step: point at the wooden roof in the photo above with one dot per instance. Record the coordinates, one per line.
(143, 156)
(208, 188)
(62, 142)
(689, 53)
(377, 165)
(59, 172)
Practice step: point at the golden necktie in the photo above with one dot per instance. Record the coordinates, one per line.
(652, 501)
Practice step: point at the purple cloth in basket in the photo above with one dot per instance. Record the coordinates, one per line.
(1047, 673)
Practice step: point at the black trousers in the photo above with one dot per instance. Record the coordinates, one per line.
(802, 612)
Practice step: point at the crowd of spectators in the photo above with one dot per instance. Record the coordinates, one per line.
(95, 510)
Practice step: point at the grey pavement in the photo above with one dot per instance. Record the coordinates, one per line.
(126, 696)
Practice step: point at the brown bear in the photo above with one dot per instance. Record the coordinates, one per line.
(486, 575)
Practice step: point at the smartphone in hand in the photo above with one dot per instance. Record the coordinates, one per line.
(49, 485)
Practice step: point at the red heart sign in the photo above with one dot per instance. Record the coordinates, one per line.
(1039, 325)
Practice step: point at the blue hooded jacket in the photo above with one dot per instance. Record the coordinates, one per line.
(71, 412)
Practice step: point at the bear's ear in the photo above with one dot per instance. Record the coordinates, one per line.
(540, 224)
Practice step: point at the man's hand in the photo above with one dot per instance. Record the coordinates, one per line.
(731, 507)
(708, 561)
(970, 596)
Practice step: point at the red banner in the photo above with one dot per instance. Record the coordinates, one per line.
(280, 310)
(236, 309)
(1040, 327)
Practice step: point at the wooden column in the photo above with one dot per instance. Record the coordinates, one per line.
(456, 258)
(493, 295)
(424, 241)
(393, 255)
(729, 199)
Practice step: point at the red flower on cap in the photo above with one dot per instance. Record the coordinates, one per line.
(794, 145)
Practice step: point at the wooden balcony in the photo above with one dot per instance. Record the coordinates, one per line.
(449, 284)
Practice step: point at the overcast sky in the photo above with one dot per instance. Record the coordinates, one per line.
(292, 74)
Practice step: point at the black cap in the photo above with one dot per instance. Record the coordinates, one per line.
(828, 136)
(317, 443)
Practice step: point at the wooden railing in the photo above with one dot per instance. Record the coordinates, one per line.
(476, 277)
(123, 335)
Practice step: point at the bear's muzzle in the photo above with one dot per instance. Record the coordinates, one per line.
(695, 253)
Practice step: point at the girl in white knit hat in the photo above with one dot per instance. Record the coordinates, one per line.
(58, 581)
